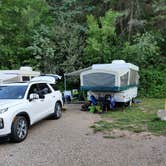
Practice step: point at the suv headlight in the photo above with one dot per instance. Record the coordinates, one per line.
(3, 110)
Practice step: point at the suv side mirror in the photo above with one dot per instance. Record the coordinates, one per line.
(33, 96)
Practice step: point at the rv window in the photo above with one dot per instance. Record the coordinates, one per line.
(25, 78)
(124, 80)
(99, 80)
(134, 77)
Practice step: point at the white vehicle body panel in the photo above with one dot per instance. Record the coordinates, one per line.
(126, 95)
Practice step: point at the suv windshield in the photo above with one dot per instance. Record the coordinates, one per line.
(12, 92)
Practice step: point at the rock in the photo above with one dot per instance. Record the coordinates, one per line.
(162, 114)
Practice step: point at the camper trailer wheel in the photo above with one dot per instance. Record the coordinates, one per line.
(128, 104)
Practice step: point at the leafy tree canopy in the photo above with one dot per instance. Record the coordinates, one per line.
(18, 18)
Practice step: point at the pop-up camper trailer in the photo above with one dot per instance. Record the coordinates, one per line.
(119, 79)
(24, 74)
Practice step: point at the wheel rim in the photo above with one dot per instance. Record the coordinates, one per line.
(58, 110)
(21, 129)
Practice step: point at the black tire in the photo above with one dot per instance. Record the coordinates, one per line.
(19, 130)
(57, 111)
(128, 104)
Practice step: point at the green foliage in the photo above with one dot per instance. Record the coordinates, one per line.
(42, 49)
(102, 42)
(144, 50)
(69, 46)
(17, 21)
(65, 35)
(159, 7)
(68, 34)
(153, 82)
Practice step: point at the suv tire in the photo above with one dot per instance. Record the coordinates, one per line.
(57, 111)
(19, 130)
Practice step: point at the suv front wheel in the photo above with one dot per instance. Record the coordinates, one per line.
(19, 130)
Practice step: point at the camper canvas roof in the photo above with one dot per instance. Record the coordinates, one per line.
(24, 74)
(116, 65)
(23, 71)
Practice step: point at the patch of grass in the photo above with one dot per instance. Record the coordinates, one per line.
(102, 126)
(138, 118)
(157, 127)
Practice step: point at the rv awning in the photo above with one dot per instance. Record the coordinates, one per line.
(78, 72)
(75, 73)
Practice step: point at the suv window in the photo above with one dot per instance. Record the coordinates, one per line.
(44, 88)
(41, 89)
(33, 89)
(12, 92)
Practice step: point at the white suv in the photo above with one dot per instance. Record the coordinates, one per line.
(23, 104)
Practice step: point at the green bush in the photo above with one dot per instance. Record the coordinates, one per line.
(153, 83)
(144, 51)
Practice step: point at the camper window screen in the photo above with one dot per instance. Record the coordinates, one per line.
(99, 80)
(124, 80)
(25, 78)
(133, 77)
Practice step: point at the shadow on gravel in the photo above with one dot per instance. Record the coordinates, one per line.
(41, 123)
(4, 140)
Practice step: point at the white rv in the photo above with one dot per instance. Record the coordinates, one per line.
(119, 79)
(24, 74)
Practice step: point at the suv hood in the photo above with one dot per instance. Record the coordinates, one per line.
(5, 103)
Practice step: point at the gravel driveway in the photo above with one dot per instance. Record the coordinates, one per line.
(70, 142)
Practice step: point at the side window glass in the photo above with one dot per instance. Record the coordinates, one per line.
(44, 89)
(124, 79)
(33, 89)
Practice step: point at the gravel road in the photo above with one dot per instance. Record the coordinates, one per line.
(70, 142)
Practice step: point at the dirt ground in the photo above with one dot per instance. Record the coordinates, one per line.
(70, 141)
